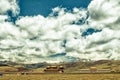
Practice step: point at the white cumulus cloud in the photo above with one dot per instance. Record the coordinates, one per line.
(6, 5)
(59, 38)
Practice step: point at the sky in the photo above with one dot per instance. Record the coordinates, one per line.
(44, 7)
(33, 31)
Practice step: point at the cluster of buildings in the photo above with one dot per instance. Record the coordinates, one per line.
(94, 70)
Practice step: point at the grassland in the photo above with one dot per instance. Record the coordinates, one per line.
(69, 68)
(61, 77)
(101, 64)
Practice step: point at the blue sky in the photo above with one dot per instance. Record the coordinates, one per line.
(44, 7)
(32, 35)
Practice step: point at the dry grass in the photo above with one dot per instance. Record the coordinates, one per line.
(69, 67)
(4, 68)
(62, 77)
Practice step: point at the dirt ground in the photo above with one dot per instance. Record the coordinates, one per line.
(61, 77)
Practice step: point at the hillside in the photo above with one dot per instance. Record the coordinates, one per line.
(101, 64)
(69, 66)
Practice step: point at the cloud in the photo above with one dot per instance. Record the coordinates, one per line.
(3, 18)
(105, 13)
(7, 5)
(35, 39)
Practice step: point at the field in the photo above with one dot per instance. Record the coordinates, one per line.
(61, 77)
(71, 67)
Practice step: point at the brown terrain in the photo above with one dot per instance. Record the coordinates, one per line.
(13, 71)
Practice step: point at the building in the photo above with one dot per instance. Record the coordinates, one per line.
(54, 69)
(94, 70)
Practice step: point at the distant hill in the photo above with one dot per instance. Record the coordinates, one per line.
(69, 66)
(101, 64)
(34, 65)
